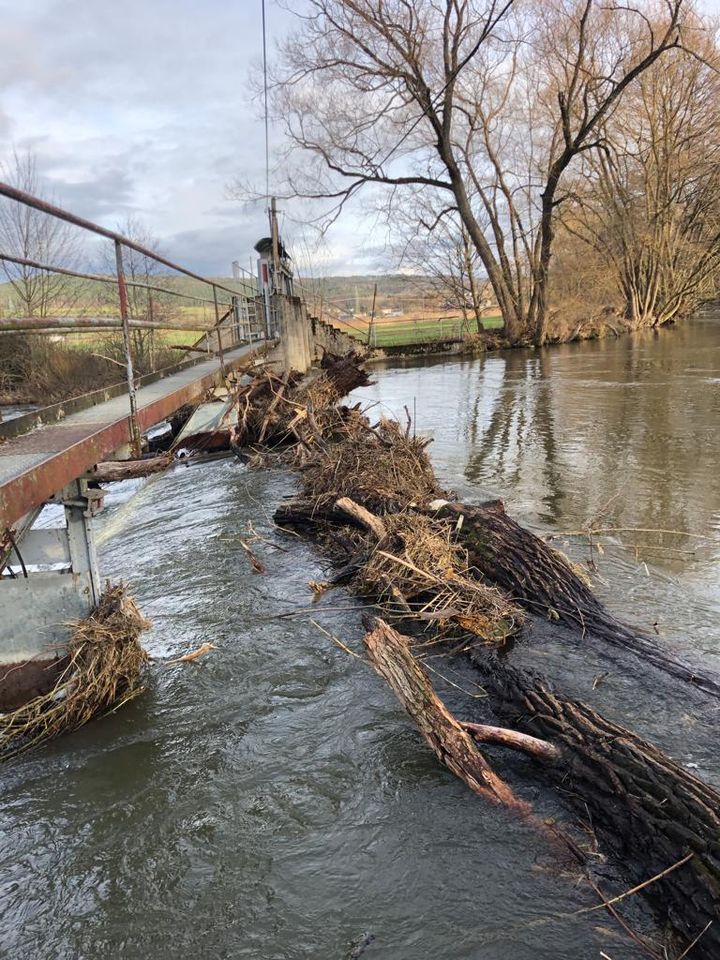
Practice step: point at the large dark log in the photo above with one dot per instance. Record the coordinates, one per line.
(540, 579)
(164, 441)
(208, 441)
(112, 470)
(651, 810)
(389, 653)
(345, 373)
(304, 514)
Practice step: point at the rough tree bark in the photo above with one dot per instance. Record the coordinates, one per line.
(389, 653)
(649, 808)
(662, 821)
(540, 579)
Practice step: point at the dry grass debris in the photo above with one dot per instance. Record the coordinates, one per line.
(381, 467)
(102, 671)
(419, 573)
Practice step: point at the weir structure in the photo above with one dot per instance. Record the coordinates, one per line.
(49, 573)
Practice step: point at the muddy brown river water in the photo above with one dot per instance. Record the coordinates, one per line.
(271, 801)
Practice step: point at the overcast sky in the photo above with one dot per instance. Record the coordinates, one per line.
(144, 107)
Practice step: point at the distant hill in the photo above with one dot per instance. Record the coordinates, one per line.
(85, 297)
(355, 293)
(351, 293)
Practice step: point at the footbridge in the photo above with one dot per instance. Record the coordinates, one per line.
(49, 574)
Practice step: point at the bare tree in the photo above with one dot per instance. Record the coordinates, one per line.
(440, 249)
(650, 201)
(31, 235)
(487, 103)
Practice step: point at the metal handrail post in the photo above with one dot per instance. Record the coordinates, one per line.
(135, 441)
(219, 336)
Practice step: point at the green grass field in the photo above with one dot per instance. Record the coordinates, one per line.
(403, 333)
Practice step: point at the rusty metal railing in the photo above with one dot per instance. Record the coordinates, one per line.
(217, 294)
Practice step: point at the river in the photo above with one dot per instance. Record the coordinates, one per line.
(271, 800)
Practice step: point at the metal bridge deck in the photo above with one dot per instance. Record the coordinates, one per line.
(35, 466)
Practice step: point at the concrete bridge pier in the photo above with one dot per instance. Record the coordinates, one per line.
(295, 333)
(52, 579)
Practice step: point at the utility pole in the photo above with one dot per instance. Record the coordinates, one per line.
(371, 328)
(272, 306)
(275, 246)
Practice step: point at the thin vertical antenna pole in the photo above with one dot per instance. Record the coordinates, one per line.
(265, 90)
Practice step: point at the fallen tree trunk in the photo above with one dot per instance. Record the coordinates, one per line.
(662, 821)
(307, 515)
(389, 653)
(652, 811)
(112, 470)
(368, 521)
(541, 579)
(535, 576)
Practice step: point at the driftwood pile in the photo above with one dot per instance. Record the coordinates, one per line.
(279, 411)
(467, 576)
(265, 411)
(101, 670)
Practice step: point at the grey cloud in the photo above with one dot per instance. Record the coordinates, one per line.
(107, 195)
(6, 125)
(212, 250)
(143, 107)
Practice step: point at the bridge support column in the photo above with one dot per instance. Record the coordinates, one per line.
(51, 579)
(295, 332)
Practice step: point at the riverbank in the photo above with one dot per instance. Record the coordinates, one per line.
(475, 345)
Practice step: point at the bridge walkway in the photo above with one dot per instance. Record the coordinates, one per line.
(37, 465)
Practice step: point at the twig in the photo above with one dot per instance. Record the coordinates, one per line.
(688, 949)
(256, 565)
(335, 640)
(473, 696)
(640, 886)
(626, 927)
(101, 356)
(194, 655)
(588, 532)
